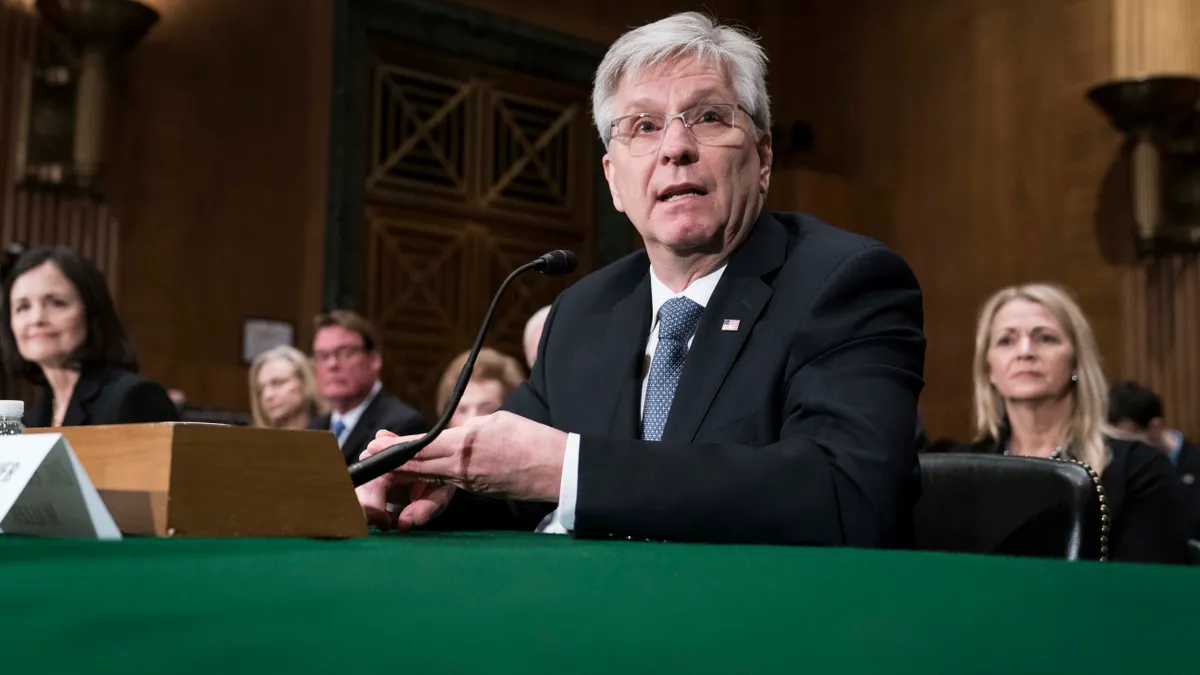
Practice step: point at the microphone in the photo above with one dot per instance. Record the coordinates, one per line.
(554, 263)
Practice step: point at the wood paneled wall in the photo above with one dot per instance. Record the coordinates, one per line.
(1153, 37)
(219, 170)
(971, 115)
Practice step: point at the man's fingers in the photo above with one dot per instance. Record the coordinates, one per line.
(372, 497)
(417, 514)
(423, 509)
(439, 457)
(384, 439)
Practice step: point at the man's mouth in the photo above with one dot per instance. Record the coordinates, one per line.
(681, 192)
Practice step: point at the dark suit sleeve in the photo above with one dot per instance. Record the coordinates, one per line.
(146, 402)
(843, 468)
(529, 399)
(1152, 527)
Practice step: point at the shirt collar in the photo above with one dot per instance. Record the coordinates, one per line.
(699, 291)
(352, 416)
(1176, 445)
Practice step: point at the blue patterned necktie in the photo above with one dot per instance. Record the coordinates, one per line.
(676, 322)
(339, 428)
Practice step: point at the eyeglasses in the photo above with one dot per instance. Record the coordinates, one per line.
(341, 353)
(643, 132)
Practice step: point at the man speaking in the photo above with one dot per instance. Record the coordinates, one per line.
(748, 377)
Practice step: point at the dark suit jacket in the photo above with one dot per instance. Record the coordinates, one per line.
(107, 396)
(796, 428)
(1144, 502)
(384, 412)
(1187, 467)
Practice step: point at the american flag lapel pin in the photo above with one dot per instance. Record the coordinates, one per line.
(730, 324)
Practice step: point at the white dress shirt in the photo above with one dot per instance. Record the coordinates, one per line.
(353, 415)
(562, 520)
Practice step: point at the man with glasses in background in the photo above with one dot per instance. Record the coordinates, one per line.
(348, 362)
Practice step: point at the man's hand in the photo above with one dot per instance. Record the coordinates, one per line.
(499, 455)
(422, 500)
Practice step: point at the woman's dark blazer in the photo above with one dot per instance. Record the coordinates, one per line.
(105, 395)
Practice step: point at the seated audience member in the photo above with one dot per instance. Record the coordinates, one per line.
(1040, 392)
(749, 376)
(533, 334)
(283, 390)
(348, 362)
(63, 333)
(494, 377)
(1138, 410)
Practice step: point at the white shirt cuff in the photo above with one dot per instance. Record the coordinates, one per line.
(568, 486)
(562, 519)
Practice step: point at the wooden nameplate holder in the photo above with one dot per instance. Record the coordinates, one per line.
(177, 479)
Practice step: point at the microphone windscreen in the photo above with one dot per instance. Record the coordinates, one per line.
(559, 262)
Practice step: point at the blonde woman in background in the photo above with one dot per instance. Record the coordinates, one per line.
(283, 390)
(1040, 391)
(494, 377)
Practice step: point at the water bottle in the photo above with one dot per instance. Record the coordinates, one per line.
(11, 414)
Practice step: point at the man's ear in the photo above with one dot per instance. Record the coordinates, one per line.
(612, 183)
(766, 155)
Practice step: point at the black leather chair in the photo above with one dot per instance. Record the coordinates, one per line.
(1021, 506)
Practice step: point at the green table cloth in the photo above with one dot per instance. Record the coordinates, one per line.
(526, 603)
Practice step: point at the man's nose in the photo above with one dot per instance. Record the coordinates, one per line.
(678, 144)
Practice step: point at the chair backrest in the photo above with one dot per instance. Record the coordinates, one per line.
(1022, 506)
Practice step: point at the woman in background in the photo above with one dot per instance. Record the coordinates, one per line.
(63, 333)
(494, 377)
(283, 390)
(1040, 392)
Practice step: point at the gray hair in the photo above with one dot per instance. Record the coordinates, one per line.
(737, 52)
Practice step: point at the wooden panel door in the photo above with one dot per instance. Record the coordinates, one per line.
(472, 171)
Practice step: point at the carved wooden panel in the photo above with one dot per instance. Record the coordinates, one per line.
(430, 281)
(473, 171)
(419, 133)
(531, 146)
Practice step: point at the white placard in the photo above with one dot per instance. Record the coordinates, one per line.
(44, 491)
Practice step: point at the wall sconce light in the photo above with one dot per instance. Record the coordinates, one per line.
(1159, 118)
(66, 91)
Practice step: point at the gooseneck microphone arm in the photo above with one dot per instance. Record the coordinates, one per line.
(553, 263)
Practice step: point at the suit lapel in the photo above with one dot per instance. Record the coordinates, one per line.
(321, 422)
(620, 357)
(79, 408)
(730, 315)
